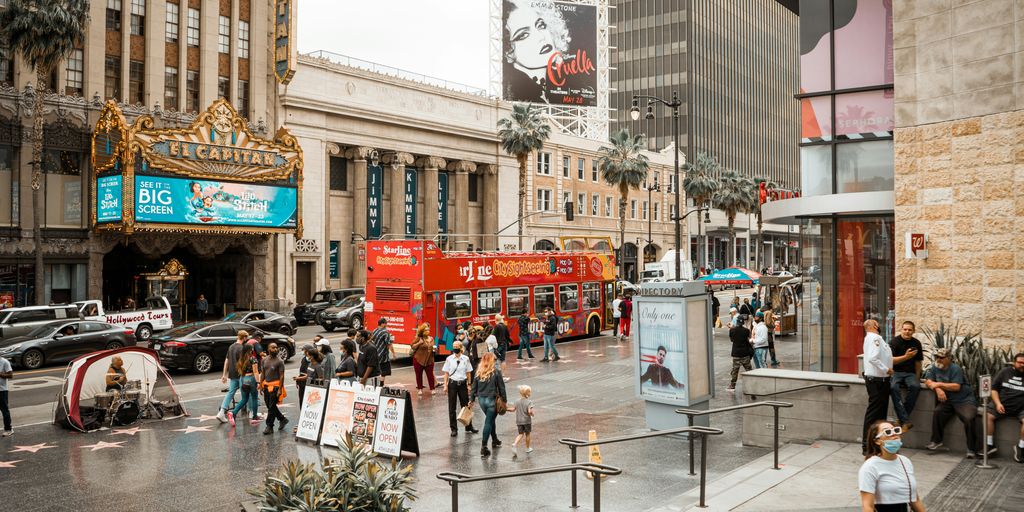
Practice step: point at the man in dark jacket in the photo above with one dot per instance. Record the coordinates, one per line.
(550, 331)
(502, 335)
(742, 351)
(524, 335)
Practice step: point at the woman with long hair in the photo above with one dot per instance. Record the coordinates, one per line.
(249, 373)
(423, 357)
(886, 479)
(488, 386)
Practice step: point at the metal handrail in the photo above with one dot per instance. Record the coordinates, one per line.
(691, 413)
(701, 431)
(454, 479)
(829, 385)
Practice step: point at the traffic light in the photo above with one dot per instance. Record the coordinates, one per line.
(569, 211)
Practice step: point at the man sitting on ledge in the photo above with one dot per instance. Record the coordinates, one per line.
(952, 396)
(1008, 400)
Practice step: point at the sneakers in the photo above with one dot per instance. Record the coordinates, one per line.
(254, 422)
(471, 430)
(544, 360)
(935, 446)
(221, 417)
(231, 419)
(991, 449)
(731, 389)
(8, 433)
(1018, 454)
(269, 430)
(284, 421)
(484, 452)
(973, 455)
(557, 357)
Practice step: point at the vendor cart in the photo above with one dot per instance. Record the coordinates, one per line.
(781, 292)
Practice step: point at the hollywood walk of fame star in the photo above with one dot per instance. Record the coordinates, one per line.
(204, 417)
(531, 367)
(33, 448)
(596, 355)
(102, 444)
(190, 429)
(8, 463)
(130, 431)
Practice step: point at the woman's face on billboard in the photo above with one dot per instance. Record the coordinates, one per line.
(531, 41)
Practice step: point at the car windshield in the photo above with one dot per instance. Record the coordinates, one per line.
(347, 302)
(43, 331)
(320, 297)
(233, 316)
(183, 330)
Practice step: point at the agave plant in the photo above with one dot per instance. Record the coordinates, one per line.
(968, 351)
(355, 482)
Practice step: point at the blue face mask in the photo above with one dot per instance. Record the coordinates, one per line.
(892, 445)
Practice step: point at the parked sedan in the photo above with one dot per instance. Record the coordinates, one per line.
(267, 321)
(203, 346)
(63, 340)
(347, 312)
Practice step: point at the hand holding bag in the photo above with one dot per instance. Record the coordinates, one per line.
(465, 416)
(500, 405)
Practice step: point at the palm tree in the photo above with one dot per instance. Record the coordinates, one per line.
(769, 184)
(44, 32)
(521, 134)
(700, 183)
(623, 165)
(735, 195)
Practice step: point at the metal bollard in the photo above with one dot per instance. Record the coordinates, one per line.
(776, 433)
(573, 449)
(703, 467)
(455, 496)
(597, 493)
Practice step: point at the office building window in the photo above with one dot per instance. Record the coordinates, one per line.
(192, 35)
(224, 35)
(580, 164)
(595, 205)
(74, 73)
(581, 206)
(593, 171)
(192, 91)
(114, 15)
(138, 17)
(632, 209)
(565, 167)
(657, 177)
(644, 213)
(608, 206)
(474, 188)
(565, 199)
(171, 25)
(243, 98)
(112, 78)
(243, 39)
(544, 163)
(171, 88)
(6, 66)
(672, 211)
(137, 82)
(339, 174)
(223, 87)
(543, 199)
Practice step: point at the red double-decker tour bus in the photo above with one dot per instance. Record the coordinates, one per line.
(410, 282)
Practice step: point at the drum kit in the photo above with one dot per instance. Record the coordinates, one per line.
(124, 406)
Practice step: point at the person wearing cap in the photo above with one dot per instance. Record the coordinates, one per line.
(760, 341)
(734, 317)
(741, 352)
(329, 364)
(953, 395)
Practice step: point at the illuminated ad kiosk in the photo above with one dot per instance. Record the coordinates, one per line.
(211, 177)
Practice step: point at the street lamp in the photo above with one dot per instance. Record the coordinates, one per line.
(634, 113)
(650, 188)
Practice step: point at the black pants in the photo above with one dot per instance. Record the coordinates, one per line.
(966, 412)
(771, 345)
(271, 398)
(615, 328)
(5, 409)
(878, 404)
(457, 391)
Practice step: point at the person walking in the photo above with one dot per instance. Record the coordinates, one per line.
(367, 366)
(6, 374)
(769, 322)
(741, 353)
(202, 307)
(760, 340)
(627, 315)
(907, 356)
(346, 371)
(273, 389)
(385, 344)
(525, 336)
(755, 302)
(488, 387)
(247, 368)
(524, 418)
(616, 314)
(886, 479)
(877, 372)
(330, 364)
(475, 346)
(716, 307)
(423, 358)
(503, 337)
(746, 309)
(458, 373)
(550, 331)
(953, 395)
(230, 375)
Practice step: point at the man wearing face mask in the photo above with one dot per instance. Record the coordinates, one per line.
(952, 396)
(458, 373)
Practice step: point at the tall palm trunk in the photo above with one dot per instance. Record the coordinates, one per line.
(732, 240)
(37, 161)
(522, 195)
(623, 191)
(760, 241)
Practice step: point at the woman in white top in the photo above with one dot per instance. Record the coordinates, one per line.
(886, 479)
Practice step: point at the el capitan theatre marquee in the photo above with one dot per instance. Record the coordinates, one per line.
(213, 177)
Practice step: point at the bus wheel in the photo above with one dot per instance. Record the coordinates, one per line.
(593, 328)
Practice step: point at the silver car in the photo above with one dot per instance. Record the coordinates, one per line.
(21, 321)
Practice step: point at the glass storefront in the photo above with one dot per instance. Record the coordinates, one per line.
(849, 264)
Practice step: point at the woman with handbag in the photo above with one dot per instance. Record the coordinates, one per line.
(489, 386)
(248, 370)
(423, 358)
(886, 480)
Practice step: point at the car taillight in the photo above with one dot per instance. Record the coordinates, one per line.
(130, 332)
(174, 344)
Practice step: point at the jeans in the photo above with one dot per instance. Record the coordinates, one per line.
(905, 406)
(761, 357)
(271, 399)
(549, 345)
(966, 412)
(252, 396)
(524, 342)
(232, 387)
(5, 409)
(737, 362)
(490, 413)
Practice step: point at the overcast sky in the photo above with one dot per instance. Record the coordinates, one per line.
(445, 39)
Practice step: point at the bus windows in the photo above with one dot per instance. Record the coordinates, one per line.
(568, 297)
(543, 298)
(518, 301)
(591, 295)
(456, 305)
(488, 302)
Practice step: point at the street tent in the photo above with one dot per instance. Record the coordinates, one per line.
(732, 276)
(85, 377)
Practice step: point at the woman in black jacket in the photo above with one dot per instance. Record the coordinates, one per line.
(488, 386)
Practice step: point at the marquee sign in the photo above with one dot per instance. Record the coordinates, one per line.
(284, 43)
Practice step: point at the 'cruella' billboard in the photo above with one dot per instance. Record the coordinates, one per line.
(549, 52)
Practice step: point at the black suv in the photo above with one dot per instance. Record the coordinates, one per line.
(310, 311)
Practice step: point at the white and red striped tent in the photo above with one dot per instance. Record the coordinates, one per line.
(85, 377)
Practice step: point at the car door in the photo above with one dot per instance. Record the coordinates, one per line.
(218, 338)
(68, 343)
(98, 335)
(257, 319)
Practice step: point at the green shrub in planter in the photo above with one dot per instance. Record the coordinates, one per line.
(354, 482)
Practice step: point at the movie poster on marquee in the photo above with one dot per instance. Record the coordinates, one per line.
(388, 438)
(108, 198)
(549, 52)
(661, 334)
(311, 415)
(204, 202)
(364, 416)
(338, 414)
